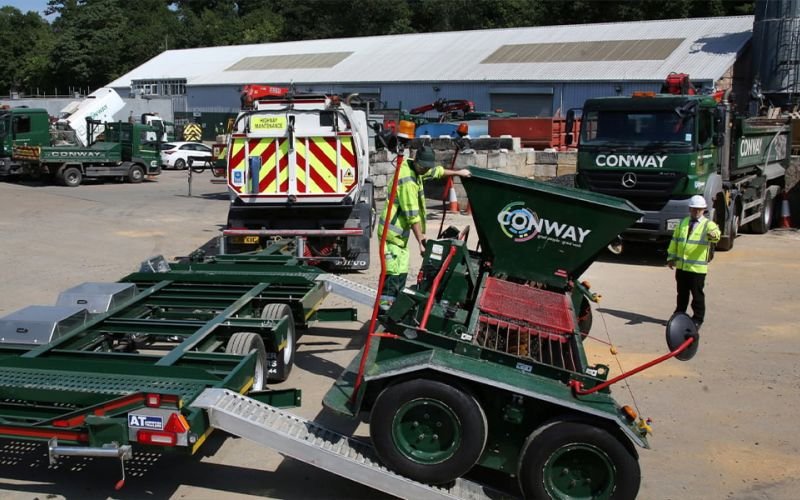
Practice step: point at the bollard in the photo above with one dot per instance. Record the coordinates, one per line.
(189, 170)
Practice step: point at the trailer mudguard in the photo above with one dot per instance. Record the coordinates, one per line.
(600, 405)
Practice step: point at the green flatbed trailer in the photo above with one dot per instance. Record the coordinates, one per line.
(118, 364)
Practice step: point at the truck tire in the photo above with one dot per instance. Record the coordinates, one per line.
(428, 430)
(281, 362)
(764, 223)
(71, 177)
(726, 242)
(135, 174)
(243, 343)
(570, 459)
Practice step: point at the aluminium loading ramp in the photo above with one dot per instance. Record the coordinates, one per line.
(313, 444)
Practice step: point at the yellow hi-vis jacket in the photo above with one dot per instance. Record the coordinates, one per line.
(409, 204)
(690, 251)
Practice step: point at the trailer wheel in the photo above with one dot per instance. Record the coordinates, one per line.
(283, 362)
(71, 177)
(243, 343)
(428, 430)
(136, 174)
(567, 459)
(764, 223)
(585, 317)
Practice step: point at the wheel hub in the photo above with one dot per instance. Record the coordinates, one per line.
(579, 471)
(426, 431)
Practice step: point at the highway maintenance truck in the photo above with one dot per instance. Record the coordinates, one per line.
(657, 150)
(298, 167)
(128, 151)
(480, 364)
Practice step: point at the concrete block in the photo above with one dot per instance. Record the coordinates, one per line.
(545, 171)
(496, 160)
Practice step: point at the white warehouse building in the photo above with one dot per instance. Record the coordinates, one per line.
(536, 71)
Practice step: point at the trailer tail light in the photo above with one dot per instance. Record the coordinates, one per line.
(152, 400)
(156, 438)
(177, 424)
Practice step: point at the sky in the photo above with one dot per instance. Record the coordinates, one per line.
(26, 5)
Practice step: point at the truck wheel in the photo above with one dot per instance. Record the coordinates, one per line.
(566, 459)
(428, 430)
(726, 243)
(71, 177)
(180, 164)
(243, 343)
(136, 174)
(281, 362)
(764, 223)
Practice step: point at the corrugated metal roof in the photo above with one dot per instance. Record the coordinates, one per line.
(704, 48)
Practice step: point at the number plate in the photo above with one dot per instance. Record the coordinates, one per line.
(245, 240)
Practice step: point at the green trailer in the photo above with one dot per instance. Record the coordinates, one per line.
(116, 365)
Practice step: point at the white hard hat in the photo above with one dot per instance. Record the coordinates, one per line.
(697, 201)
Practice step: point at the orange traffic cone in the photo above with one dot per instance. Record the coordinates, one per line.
(452, 199)
(786, 217)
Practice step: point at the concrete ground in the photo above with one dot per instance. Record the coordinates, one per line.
(722, 422)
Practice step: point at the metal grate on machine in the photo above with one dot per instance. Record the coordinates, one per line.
(527, 322)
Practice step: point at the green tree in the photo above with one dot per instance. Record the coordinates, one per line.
(90, 36)
(25, 43)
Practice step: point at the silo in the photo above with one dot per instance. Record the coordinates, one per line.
(776, 50)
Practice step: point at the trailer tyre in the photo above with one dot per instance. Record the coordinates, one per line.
(764, 223)
(428, 430)
(243, 343)
(136, 174)
(569, 459)
(283, 362)
(71, 177)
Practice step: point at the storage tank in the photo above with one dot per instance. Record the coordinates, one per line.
(776, 50)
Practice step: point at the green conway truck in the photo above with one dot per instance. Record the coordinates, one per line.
(657, 150)
(125, 151)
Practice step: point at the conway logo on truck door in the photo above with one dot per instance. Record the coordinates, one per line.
(628, 161)
(76, 154)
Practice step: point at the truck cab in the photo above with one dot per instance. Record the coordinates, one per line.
(653, 151)
(21, 127)
(658, 150)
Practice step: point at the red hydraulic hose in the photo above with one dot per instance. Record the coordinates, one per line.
(435, 286)
(577, 386)
(376, 306)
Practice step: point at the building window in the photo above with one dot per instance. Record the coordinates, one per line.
(159, 87)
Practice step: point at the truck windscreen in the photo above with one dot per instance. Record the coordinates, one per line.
(617, 126)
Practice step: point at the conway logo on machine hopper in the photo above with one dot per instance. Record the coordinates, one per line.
(523, 224)
(628, 161)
